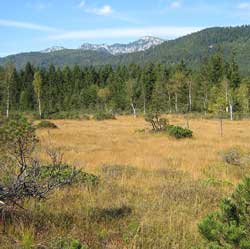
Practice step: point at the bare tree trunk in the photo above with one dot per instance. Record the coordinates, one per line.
(134, 109)
(40, 108)
(231, 111)
(227, 109)
(176, 102)
(190, 96)
(8, 102)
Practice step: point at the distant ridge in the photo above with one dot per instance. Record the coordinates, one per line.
(192, 48)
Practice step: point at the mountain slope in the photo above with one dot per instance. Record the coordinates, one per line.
(191, 48)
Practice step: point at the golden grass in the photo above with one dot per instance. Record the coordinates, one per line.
(90, 144)
(167, 191)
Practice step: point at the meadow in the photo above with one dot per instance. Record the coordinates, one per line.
(153, 189)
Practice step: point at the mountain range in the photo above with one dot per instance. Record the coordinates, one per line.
(142, 44)
(192, 48)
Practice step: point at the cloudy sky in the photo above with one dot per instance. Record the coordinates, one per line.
(31, 25)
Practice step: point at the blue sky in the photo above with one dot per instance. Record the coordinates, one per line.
(32, 25)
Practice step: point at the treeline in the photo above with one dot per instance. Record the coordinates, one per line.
(216, 87)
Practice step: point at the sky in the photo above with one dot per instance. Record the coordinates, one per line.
(34, 25)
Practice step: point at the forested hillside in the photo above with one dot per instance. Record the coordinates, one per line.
(192, 49)
(216, 87)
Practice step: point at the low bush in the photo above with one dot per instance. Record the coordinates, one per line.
(232, 156)
(46, 124)
(103, 116)
(67, 243)
(64, 171)
(158, 124)
(179, 132)
(162, 125)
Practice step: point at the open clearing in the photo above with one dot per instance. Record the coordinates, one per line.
(155, 201)
(90, 144)
(154, 189)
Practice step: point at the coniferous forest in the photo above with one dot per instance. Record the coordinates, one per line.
(216, 87)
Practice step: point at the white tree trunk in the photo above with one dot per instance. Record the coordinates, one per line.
(227, 109)
(8, 102)
(190, 96)
(231, 111)
(134, 109)
(39, 107)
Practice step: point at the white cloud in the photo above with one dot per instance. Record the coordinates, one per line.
(161, 31)
(101, 11)
(25, 25)
(105, 10)
(244, 5)
(175, 5)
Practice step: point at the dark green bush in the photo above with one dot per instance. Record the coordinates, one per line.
(229, 227)
(46, 124)
(103, 116)
(64, 171)
(179, 132)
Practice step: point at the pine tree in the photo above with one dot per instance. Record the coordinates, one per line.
(229, 228)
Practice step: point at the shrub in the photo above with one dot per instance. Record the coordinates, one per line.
(162, 125)
(22, 176)
(158, 124)
(67, 243)
(46, 124)
(64, 172)
(229, 227)
(232, 156)
(179, 132)
(103, 116)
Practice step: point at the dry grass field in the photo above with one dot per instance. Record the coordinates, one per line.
(153, 191)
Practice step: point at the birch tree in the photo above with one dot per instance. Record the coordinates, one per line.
(37, 83)
(8, 77)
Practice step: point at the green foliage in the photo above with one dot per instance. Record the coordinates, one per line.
(229, 227)
(18, 138)
(46, 124)
(67, 243)
(179, 132)
(103, 116)
(63, 172)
